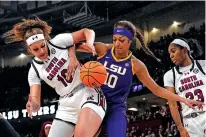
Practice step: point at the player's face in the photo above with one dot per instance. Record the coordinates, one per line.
(39, 49)
(47, 129)
(121, 43)
(177, 55)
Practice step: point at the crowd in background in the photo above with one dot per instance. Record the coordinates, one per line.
(14, 87)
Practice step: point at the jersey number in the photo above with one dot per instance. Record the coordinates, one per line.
(63, 79)
(197, 93)
(111, 80)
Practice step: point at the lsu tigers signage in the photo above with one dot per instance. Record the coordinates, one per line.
(15, 114)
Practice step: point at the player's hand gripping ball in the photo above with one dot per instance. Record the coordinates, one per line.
(93, 74)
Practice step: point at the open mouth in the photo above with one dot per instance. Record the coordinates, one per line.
(42, 55)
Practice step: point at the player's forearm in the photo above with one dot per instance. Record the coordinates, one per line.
(162, 92)
(35, 96)
(80, 47)
(72, 52)
(35, 90)
(90, 36)
(175, 113)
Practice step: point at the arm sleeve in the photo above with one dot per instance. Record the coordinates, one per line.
(63, 40)
(32, 77)
(168, 79)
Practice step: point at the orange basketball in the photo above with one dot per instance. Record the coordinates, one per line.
(93, 74)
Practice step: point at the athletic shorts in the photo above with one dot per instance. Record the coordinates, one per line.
(71, 104)
(195, 124)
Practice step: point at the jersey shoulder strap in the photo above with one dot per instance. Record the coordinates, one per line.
(173, 71)
(32, 63)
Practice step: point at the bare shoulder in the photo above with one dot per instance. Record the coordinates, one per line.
(138, 64)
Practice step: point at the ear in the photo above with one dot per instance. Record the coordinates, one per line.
(185, 50)
(129, 41)
(28, 49)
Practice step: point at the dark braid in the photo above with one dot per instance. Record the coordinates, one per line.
(144, 47)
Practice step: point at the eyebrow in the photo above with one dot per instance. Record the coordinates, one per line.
(43, 43)
(171, 49)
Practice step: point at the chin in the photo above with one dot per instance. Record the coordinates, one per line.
(43, 58)
(178, 64)
(120, 51)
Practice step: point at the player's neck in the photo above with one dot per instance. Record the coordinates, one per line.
(187, 62)
(120, 55)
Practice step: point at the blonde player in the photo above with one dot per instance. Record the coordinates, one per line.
(188, 80)
(81, 109)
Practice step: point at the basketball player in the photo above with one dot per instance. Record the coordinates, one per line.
(121, 66)
(79, 106)
(6, 130)
(46, 126)
(187, 79)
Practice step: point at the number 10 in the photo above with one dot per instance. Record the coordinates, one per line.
(111, 80)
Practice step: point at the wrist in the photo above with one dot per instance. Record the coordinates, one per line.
(90, 42)
(72, 55)
(35, 97)
(180, 126)
(72, 51)
(72, 58)
(181, 99)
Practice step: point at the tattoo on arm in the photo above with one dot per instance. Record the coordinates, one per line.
(35, 106)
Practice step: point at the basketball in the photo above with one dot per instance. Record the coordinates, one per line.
(93, 74)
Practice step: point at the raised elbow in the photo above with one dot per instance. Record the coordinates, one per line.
(88, 30)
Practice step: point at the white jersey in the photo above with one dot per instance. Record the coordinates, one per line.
(189, 82)
(53, 70)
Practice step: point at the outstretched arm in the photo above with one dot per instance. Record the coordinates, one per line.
(143, 75)
(100, 48)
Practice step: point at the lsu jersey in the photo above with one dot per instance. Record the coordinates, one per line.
(189, 82)
(53, 70)
(119, 77)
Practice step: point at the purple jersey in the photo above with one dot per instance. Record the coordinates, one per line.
(119, 78)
